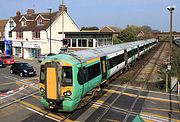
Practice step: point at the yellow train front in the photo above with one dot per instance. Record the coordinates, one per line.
(67, 81)
(56, 83)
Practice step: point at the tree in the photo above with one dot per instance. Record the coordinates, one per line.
(126, 36)
(89, 28)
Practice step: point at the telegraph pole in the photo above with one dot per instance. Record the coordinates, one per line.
(62, 19)
(50, 28)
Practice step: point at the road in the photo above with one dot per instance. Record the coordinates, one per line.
(19, 101)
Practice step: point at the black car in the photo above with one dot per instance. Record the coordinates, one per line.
(2, 64)
(22, 69)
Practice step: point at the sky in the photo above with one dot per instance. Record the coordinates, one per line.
(100, 13)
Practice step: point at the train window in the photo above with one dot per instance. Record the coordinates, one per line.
(112, 62)
(132, 52)
(42, 74)
(82, 76)
(141, 48)
(93, 71)
(67, 75)
(147, 45)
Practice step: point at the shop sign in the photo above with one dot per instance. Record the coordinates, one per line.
(31, 45)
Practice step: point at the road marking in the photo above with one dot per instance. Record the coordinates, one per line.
(45, 113)
(42, 114)
(93, 108)
(3, 84)
(144, 97)
(17, 100)
(157, 117)
(133, 88)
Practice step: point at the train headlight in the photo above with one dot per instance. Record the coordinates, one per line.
(67, 93)
(42, 90)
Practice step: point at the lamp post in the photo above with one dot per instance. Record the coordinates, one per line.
(50, 28)
(170, 9)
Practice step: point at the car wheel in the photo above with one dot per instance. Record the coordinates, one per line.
(11, 71)
(21, 74)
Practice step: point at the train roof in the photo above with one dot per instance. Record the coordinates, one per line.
(85, 55)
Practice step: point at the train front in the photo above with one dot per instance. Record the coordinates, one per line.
(56, 86)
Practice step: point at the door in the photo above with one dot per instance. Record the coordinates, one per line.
(52, 87)
(103, 67)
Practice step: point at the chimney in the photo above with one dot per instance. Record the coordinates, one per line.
(18, 13)
(62, 8)
(30, 12)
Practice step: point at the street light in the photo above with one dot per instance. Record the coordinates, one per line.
(171, 9)
(50, 28)
(169, 67)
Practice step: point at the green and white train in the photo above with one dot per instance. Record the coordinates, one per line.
(70, 81)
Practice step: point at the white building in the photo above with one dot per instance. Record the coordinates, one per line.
(30, 33)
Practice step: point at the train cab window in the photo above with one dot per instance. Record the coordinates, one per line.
(67, 75)
(42, 74)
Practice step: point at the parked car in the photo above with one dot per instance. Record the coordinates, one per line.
(7, 59)
(44, 56)
(2, 64)
(22, 69)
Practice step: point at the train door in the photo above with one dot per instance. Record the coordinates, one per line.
(52, 85)
(103, 67)
(125, 57)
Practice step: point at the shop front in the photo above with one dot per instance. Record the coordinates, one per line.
(32, 50)
(17, 49)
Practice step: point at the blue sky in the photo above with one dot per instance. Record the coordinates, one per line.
(101, 13)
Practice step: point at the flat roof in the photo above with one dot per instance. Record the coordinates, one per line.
(88, 33)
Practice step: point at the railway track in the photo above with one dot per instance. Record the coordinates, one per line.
(137, 70)
(148, 76)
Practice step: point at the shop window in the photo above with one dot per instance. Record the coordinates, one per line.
(74, 43)
(36, 34)
(19, 35)
(90, 42)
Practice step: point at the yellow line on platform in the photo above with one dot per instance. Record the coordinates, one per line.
(165, 110)
(158, 116)
(144, 97)
(42, 111)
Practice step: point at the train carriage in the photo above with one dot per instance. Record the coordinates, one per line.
(68, 81)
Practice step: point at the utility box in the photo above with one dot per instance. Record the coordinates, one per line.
(174, 81)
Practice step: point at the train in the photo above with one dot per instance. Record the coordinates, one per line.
(69, 81)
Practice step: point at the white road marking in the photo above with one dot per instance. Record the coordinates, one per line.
(42, 114)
